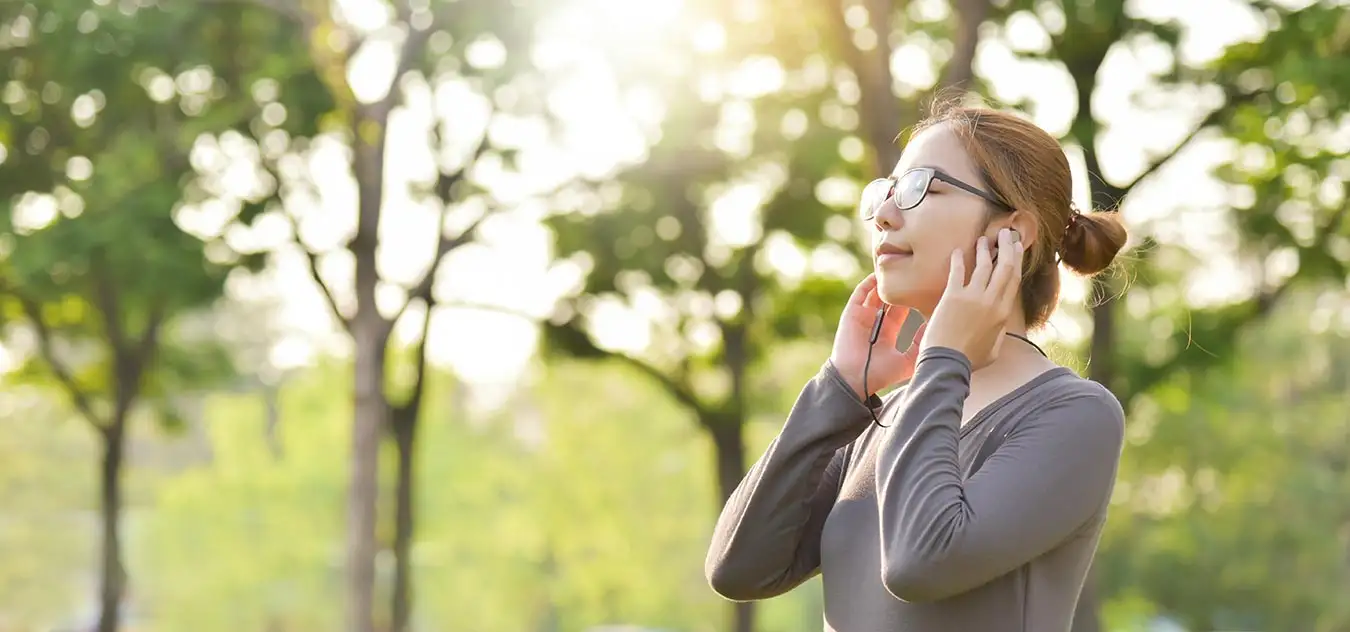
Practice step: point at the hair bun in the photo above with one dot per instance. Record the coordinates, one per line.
(1091, 242)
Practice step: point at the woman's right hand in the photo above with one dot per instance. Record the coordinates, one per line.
(851, 340)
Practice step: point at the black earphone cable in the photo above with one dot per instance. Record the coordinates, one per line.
(876, 333)
(867, 363)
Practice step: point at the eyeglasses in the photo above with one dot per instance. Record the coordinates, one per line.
(909, 190)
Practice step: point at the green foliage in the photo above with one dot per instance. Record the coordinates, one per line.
(1192, 536)
(105, 102)
(622, 490)
(739, 220)
(734, 184)
(252, 540)
(1231, 483)
(550, 512)
(45, 531)
(1289, 204)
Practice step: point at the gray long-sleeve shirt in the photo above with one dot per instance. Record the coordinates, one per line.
(906, 537)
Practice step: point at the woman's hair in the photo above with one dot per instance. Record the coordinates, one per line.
(1025, 167)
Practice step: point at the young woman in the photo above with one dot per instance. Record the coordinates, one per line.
(972, 499)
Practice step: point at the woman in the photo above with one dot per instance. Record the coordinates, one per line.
(971, 500)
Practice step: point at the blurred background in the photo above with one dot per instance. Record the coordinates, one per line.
(418, 315)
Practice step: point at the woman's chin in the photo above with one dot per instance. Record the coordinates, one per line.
(896, 292)
(894, 295)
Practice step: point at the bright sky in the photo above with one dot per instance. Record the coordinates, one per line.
(510, 266)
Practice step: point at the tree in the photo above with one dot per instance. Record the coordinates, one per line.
(1240, 93)
(557, 538)
(433, 43)
(1237, 474)
(105, 105)
(741, 178)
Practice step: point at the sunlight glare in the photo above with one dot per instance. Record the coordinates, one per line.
(785, 258)
(710, 37)
(628, 20)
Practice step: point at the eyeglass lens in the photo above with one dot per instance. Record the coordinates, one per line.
(908, 191)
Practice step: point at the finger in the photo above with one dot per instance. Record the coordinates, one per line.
(984, 265)
(1012, 289)
(895, 319)
(956, 275)
(860, 292)
(1003, 270)
(873, 300)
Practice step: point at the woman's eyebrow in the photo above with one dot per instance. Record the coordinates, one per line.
(899, 172)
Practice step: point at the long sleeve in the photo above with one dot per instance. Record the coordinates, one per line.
(767, 539)
(942, 535)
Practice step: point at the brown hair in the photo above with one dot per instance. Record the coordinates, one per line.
(1025, 167)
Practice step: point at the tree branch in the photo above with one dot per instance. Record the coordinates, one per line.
(1213, 118)
(63, 374)
(878, 106)
(414, 47)
(109, 307)
(288, 9)
(148, 341)
(970, 15)
(677, 389)
(407, 411)
(131, 369)
(445, 185)
(1240, 317)
(411, 53)
(312, 261)
(575, 335)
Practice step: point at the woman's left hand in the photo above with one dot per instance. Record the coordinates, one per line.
(972, 316)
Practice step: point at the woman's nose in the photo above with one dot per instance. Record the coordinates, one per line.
(888, 216)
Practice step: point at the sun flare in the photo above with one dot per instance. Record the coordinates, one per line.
(630, 21)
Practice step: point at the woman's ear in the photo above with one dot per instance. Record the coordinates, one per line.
(1025, 224)
(1021, 221)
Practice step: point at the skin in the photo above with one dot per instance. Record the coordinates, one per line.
(968, 301)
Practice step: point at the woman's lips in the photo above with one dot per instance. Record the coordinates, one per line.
(892, 257)
(890, 253)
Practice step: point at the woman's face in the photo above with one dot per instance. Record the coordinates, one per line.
(947, 218)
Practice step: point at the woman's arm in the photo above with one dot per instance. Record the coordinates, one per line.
(767, 539)
(942, 535)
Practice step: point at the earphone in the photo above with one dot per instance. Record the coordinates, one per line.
(871, 342)
(911, 327)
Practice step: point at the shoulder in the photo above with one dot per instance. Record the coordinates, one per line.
(1076, 407)
(1069, 387)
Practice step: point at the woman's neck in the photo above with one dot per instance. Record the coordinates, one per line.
(1019, 359)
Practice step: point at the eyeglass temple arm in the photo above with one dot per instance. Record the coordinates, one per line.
(969, 189)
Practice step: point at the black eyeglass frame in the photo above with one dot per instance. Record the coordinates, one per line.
(868, 214)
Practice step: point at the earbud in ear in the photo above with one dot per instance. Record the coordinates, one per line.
(1014, 236)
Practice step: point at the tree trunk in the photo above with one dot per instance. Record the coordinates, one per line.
(112, 576)
(729, 448)
(405, 431)
(1101, 350)
(370, 333)
(1101, 369)
(370, 414)
(960, 70)
(878, 107)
